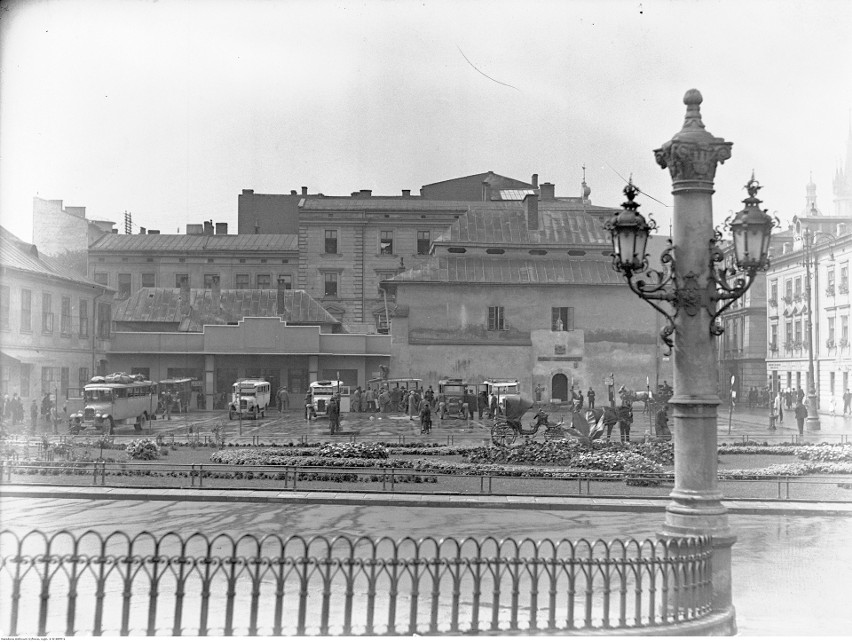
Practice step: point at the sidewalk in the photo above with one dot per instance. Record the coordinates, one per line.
(623, 504)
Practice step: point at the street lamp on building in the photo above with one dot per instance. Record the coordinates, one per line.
(693, 289)
(808, 257)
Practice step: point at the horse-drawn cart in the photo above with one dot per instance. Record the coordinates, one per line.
(506, 428)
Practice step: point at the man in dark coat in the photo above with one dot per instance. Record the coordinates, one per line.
(625, 419)
(590, 395)
(801, 415)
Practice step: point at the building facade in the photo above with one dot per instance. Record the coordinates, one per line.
(55, 327)
(530, 288)
(64, 234)
(129, 262)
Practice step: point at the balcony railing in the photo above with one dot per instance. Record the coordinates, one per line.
(829, 290)
(773, 303)
(843, 288)
(787, 298)
(829, 343)
(122, 584)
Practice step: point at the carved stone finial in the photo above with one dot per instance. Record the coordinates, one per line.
(693, 153)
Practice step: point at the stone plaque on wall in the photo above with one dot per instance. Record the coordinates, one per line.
(559, 349)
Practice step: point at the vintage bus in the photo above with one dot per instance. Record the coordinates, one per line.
(500, 388)
(181, 392)
(322, 391)
(249, 398)
(113, 400)
(454, 391)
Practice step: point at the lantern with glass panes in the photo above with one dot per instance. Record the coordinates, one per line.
(751, 229)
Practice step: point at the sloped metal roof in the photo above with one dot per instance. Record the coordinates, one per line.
(19, 255)
(460, 269)
(163, 305)
(395, 204)
(196, 243)
(563, 226)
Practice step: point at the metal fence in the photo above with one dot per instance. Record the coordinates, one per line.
(121, 584)
(560, 483)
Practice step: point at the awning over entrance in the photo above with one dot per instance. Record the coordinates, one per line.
(21, 356)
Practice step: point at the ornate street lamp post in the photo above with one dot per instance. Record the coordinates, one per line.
(808, 256)
(687, 292)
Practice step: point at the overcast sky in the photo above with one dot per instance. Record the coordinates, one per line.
(169, 108)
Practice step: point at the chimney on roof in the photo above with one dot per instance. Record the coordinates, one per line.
(208, 228)
(221, 229)
(548, 191)
(248, 192)
(282, 288)
(194, 228)
(365, 193)
(114, 230)
(142, 230)
(293, 192)
(153, 232)
(184, 296)
(406, 193)
(535, 180)
(304, 191)
(531, 211)
(354, 194)
(486, 191)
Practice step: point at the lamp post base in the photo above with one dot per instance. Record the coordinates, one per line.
(812, 423)
(812, 420)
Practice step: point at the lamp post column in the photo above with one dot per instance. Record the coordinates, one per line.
(696, 508)
(812, 421)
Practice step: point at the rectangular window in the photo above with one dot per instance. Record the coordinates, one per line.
(330, 279)
(5, 302)
(264, 281)
(65, 319)
(208, 281)
(797, 336)
(49, 379)
(46, 313)
(773, 291)
(797, 288)
(844, 328)
(124, 285)
(149, 280)
(84, 318)
(788, 290)
(242, 282)
(562, 319)
(180, 279)
(495, 318)
(773, 337)
(831, 382)
(286, 280)
(331, 241)
(830, 276)
(424, 242)
(102, 278)
(104, 320)
(386, 242)
(82, 377)
(844, 278)
(789, 334)
(831, 331)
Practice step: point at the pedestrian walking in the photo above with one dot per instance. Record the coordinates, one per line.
(442, 407)
(371, 400)
(412, 407)
(429, 395)
(625, 419)
(779, 408)
(482, 403)
(283, 401)
(590, 395)
(801, 414)
(310, 411)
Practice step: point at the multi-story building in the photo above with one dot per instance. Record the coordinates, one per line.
(529, 290)
(55, 327)
(129, 262)
(789, 311)
(64, 234)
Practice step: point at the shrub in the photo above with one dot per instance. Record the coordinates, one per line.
(144, 449)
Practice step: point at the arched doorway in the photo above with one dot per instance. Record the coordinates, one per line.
(559, 387)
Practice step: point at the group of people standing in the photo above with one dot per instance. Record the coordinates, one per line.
(12, 412)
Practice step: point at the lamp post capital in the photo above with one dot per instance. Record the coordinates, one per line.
(692, 153)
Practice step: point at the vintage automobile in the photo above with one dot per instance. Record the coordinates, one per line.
(454, 391)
